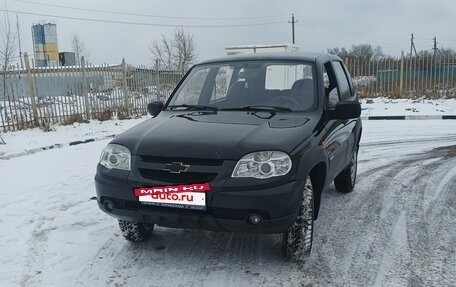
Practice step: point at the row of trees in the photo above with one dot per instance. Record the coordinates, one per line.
(367, 52)
(173, 53)
(361, 52)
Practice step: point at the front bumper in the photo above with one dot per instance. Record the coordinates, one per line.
(226, 209)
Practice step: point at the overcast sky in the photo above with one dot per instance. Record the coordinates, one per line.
(321, 24)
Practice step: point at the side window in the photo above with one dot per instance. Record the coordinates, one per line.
(222, 82)
(192, 88)
(330, 82)
(350, 82)
(344, 87)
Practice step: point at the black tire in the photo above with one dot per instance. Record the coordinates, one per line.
(345, 181)
(297, 240)
(135, 231)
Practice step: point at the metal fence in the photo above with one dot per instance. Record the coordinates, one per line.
(430, 76)
(41, 96)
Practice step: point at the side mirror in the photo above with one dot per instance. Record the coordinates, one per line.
(155, 108)
(345, 110)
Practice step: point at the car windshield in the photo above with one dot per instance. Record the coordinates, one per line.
(248, 85)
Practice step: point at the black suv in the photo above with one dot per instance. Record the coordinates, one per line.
(243, 144)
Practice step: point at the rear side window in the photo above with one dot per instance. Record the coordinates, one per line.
(344, 86)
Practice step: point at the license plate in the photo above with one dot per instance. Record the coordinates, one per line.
(190, 196)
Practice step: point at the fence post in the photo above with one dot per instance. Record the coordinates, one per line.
(401, 77)
(124, 86)
(31, 91)
(157, 79)
(85, 91)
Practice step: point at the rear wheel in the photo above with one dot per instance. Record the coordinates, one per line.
(135, 231)
(345, 181)
(297, 240)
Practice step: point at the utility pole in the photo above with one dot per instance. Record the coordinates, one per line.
(292, 27)
(19, 41)
(412, 46)
(435, 49)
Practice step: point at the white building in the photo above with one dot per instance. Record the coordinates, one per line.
(246, 49)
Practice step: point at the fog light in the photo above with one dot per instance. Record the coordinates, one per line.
(254, 219)
(109, 205)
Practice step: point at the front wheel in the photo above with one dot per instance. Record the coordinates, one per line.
(135, 231)
(297, 240)
(345, 181)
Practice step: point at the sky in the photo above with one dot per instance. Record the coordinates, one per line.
(321, 24)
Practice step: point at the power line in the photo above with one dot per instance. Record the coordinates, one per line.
(340, 32)
(142, 23)
(345, 37)
(148, 15)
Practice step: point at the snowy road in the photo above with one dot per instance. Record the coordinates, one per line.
(397, 228)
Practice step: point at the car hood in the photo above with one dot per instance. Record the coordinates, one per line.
(217, 135)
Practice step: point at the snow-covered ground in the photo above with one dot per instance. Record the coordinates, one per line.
(407, 107)
(20, 142)
(395, 229)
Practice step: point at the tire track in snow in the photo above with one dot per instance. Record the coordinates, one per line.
(432, 242)
(382, 195)
(36, 251)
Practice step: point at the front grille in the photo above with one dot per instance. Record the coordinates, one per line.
(185, 177)
(190, 161)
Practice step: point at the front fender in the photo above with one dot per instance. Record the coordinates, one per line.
(309, 159)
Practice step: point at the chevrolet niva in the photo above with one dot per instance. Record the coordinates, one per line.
(243, 144)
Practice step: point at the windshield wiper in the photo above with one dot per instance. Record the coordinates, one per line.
(193, 107)
(258, 108)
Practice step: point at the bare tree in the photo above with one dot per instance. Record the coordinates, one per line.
(8, 47)
(366, 52)
(446, 53)
(176, 53)
(163, 51)
(79, 48)
(184, 49)
(360, 52)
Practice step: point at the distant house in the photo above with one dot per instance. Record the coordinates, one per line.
(246, 49)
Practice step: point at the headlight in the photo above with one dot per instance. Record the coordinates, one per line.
(116, 156)
(264, 164)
